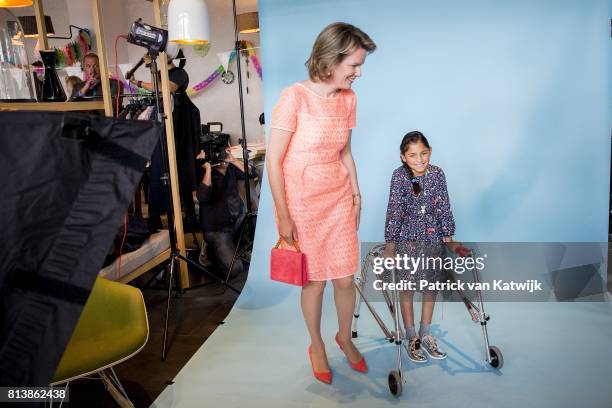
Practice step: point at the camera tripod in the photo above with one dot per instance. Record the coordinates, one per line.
(243, 245)
(245, 225)
(248, 223)
(175, 255)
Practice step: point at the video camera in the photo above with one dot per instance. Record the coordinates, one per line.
(214, 143)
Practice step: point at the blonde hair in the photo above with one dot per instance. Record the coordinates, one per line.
(332, 45)
(90, 55)
(71, 82)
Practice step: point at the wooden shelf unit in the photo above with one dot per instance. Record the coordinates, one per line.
(54, 106)
(106, 104)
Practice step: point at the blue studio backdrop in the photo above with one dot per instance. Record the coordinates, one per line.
(514, 98)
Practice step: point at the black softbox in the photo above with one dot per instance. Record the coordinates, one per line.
(67, 180)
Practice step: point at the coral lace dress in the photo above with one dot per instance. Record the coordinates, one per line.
(317, 186)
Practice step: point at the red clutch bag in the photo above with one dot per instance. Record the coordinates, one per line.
(288, 266)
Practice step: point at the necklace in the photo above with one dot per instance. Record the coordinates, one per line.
(423, 207)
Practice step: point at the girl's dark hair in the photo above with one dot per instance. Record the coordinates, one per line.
(412, 138)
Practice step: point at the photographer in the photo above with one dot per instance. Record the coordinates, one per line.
(221, 208)
(179, 79)
(186, 121)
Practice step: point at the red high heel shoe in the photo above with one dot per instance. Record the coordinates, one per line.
(323, 376)
(360, 366)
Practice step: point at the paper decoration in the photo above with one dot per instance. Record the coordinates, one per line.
(129, 88)
(74, 51)
(201, 49)
(247, 48)
(224, 57)
(216, 74)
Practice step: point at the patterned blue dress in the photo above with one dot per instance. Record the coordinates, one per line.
(417, 223)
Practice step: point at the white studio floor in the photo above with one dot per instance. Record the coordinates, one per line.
(555, 355)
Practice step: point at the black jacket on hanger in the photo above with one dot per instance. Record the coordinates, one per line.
(187, 129)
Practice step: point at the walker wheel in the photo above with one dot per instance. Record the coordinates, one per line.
(395, 383)
(497, 360)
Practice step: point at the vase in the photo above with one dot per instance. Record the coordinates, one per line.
(52, 87)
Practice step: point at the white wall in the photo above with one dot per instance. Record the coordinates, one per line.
(219, 102)
(56, 9)
(80, 14)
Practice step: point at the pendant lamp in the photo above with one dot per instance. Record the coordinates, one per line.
(248, 22)
(30, 30)
(188, 22)
(16, 3)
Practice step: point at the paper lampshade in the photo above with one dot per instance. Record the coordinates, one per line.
(188, 22)
(31, 30)
(248, 22)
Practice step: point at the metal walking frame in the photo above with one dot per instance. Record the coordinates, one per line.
(493, 355)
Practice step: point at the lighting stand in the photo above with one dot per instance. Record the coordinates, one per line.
(175, 256)
(246, 225)
(250, 216)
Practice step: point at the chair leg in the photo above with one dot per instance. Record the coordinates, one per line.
(117, 381)
(115, 389)
(49, 403)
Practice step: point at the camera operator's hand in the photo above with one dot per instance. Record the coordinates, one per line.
(230, 159)
(147, 59)
(207, 179)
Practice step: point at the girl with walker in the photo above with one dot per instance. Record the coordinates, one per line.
(419, 223)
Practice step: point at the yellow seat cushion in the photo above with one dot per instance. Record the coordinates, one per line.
(112, 327)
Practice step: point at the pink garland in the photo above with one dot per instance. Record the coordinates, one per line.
(256, 64)
(213, 76)
(219, 71)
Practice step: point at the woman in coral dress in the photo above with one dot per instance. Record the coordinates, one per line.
(314, 182)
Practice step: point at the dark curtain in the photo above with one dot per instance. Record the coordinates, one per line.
(68, 179)
(187, 129)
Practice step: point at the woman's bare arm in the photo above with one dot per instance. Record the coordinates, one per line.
(346, 156)
(275, 154)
